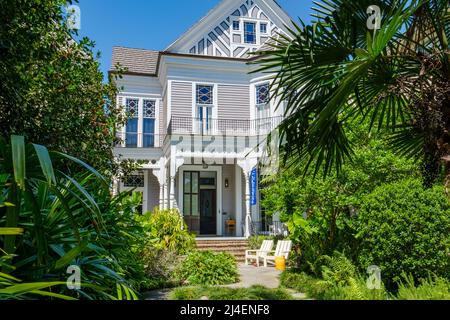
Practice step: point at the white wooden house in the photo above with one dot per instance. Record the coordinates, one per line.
(197, 117)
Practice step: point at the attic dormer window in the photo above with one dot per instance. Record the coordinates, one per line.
(250, 32)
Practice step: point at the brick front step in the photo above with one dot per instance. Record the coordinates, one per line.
(234, 247)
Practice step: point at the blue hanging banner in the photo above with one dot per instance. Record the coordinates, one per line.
(253, 187)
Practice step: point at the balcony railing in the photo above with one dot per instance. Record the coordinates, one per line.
(229, 127)
(138, 140)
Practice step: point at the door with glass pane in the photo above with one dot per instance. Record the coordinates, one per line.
(204, 112)
(191, 210)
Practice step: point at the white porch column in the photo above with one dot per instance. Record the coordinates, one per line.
(160, 175)
(238, 197)
(166, 195)
(175, 164)
(172, 192)
(116, 186)
(248, 211)
(247, 165)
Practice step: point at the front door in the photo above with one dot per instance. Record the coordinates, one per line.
(208, 212)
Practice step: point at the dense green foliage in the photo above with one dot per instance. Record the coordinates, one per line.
(168, 231)
(404, 228)
(208, 268)
(319, 212)
(428, 289)
(50, 220)
(341, 281)
(336, 69)
(170, 239)
(51, 86)
(220, 293)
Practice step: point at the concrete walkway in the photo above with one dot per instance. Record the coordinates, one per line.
(252, 276)
(249, 276)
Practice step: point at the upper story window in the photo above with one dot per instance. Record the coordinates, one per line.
(262, 94)
(132, 108)
(205, 95)
(263, 28)
(140, 127)
(250, 32)
(236, 25)
(148, 128)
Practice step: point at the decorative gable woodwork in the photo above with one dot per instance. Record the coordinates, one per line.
(244, 30)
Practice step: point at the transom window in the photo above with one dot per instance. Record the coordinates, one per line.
(236, 25)
(263, 27)
(262, 94)
(150, 109)
(134, 181)
(205, 94)
(133, 108)
(250, 32)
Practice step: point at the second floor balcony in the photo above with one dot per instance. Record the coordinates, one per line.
(222, 127)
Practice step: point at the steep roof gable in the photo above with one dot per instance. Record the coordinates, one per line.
(234, 28)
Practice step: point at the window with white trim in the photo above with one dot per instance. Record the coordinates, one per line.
(132, 109)
(262, 101)
(149, 115)
(205, 104)
(236, 25)
(250, 32)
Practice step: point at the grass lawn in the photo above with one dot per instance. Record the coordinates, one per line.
(221, 293)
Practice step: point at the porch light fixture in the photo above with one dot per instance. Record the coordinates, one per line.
(227, 183)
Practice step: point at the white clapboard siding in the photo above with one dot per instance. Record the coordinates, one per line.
(181, 99)
(234, 102)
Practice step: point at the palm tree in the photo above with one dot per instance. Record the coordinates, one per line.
(336, 70)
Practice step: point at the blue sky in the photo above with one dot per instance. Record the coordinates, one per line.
(151, 24)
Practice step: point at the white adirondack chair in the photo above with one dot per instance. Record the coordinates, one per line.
(266, 247)
(283, 250)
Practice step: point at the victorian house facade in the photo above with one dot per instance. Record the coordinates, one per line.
(199, 117)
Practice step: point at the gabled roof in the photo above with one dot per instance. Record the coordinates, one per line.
(136, 61)
(222, 11)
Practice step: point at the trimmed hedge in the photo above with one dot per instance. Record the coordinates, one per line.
(404, 228)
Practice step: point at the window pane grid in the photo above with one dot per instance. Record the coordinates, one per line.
(190, 193)
(132, 108)
(250, 32)
(134, 181)
(149, 109)
(205, 95)
(262, 94)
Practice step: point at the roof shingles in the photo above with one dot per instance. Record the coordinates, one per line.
(139, 61)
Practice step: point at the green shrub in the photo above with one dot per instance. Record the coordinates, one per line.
(208, 268)
(340, 281)
(220, 293)
(403, 228)
(159, 266)
(429, 289)
(304, 283)
(168, 231)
